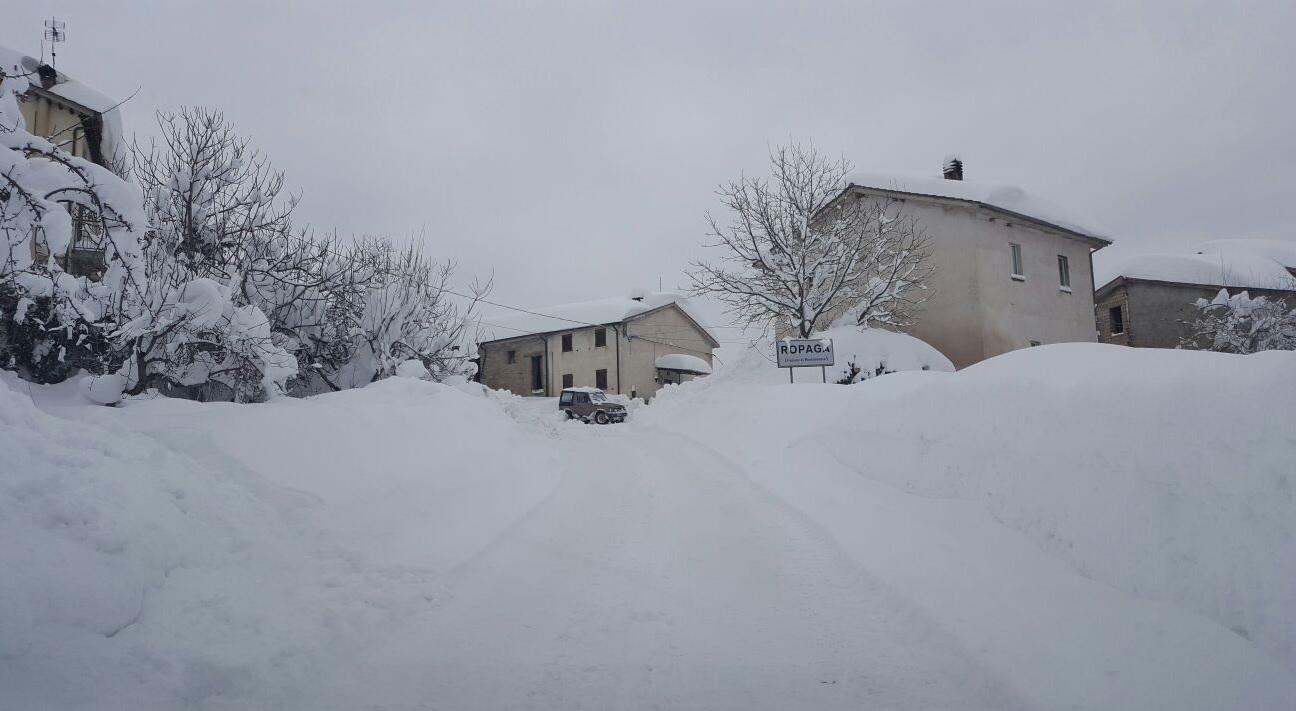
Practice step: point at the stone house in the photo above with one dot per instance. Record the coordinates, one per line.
(78, 120)
(1009, 270)
(1148, 301)
(629, 345)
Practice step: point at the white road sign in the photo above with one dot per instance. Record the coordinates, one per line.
(804, 353)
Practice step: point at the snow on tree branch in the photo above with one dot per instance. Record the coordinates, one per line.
(1242, 324)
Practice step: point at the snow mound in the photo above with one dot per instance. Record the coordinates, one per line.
(684, 362)
(235, 556)
(1165, 474)
(868, 349)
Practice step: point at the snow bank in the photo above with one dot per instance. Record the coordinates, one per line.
(234, 555)
(1165, 474)
(867, 349)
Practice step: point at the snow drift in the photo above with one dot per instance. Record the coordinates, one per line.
(1166, 474)
(1072, 526)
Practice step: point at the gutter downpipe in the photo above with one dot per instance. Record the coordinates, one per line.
(617, 330)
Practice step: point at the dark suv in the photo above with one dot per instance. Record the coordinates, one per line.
(590, 405)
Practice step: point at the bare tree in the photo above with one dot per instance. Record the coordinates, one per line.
(800, 250)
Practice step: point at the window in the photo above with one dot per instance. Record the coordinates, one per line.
(1064, 273)
(1116, 317)
(566, 399)
(537, 373)
(600, 337)
(512, 357)
(567, 380)
(1017, 272)
(582, 398)
(600, 378)
(567, 342)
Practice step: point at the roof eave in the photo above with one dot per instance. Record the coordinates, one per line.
(1092, 240)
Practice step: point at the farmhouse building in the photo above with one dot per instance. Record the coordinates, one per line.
(1009, 270)
(1148, 301)
(629, 345)
(77, 119)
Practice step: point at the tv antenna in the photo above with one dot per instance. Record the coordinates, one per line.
(55, 32)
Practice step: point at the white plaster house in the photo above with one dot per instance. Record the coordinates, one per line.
(1010, 270)
(629, 345)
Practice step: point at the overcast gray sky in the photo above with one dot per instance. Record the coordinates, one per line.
(572, 148)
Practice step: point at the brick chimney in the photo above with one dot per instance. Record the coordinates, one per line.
(953, 169)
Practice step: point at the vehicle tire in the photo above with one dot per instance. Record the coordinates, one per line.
(601, 417)
(569, 414)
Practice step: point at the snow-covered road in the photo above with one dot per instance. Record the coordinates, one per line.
(736, 545)
(658, 576)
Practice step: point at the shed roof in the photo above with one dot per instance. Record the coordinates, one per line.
(1234, 263)
(582, 314)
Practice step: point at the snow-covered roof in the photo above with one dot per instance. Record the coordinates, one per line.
(13, 62)
(1005, 198)
(565, 317)
(582, 389)
(686, 363)
(1237, 263)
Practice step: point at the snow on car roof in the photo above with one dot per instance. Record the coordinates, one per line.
(582, 389)
(1237, 263)
(681, 361)
(565, 317)
(1008, 198)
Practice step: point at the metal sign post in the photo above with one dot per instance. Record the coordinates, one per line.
(805, 353)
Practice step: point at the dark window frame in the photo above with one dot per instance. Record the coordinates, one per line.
(600, 338)
(1064, 272)
(601, 379)
(512, 357)
(1116, 320)
(1018, 262)
(567, 343)
(568, 380)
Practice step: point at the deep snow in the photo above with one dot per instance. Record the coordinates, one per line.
(1073, 526)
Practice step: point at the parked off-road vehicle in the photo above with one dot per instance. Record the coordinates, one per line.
(590, 405)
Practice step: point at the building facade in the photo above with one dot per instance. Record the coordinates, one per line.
(78, 120)
(613, 344)
(1150, 300)
(1009, 271)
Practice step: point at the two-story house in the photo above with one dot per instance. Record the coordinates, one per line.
(77, 119)
(1009, 270)
(630, 345)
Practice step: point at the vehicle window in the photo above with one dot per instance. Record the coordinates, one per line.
(566, 399)
(582, 398)
(598, 397)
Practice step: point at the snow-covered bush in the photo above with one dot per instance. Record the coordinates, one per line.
(1242, 324)
(403, 311)
(53, 321)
